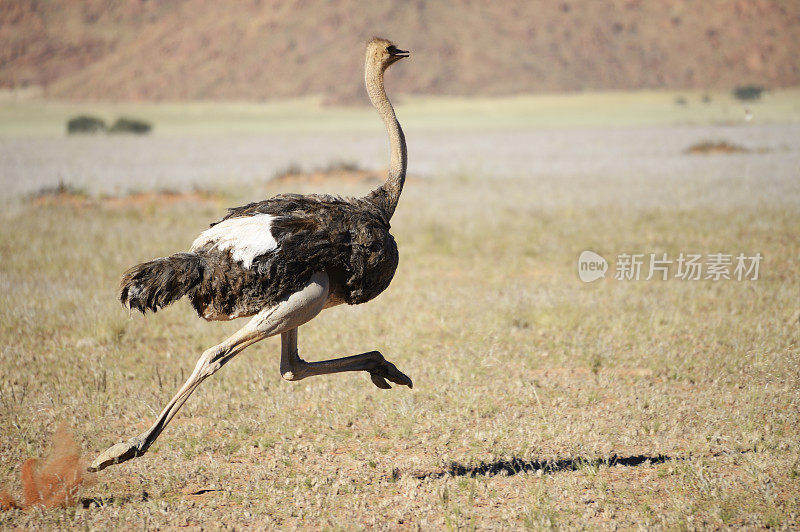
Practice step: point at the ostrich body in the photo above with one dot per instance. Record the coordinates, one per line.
(282, 261)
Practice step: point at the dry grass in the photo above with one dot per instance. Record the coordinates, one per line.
(539, 401)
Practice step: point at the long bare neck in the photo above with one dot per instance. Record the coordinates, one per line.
(387, 195)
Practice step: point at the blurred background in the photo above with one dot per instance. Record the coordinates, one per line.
(287, 74)
(205, 50)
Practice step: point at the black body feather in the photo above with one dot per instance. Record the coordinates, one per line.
(349, 239)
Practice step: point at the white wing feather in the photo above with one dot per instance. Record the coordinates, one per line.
(246, 237)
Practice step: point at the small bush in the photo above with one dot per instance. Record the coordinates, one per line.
(293, 169)
(61, 189)
(130, 125)
(341, 166)
(85, 124)
(748, 92)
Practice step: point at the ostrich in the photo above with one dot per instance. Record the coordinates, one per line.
(282, 261)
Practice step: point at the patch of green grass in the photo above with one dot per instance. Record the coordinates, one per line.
(585, 109)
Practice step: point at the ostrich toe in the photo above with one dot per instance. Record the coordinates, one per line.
(117, 454)
(386, 370)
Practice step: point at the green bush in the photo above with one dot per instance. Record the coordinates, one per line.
(130, 125)
(85, 124)
(748, 92)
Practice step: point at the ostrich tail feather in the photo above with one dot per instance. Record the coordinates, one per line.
(155, 284)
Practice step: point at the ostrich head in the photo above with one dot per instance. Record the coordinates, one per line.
(381, 54)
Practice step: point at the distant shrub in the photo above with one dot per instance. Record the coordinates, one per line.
(130, 125)
(682, 101)
(341, 166)
(62, 189)
(85, 124)
(706, 98)
(748, 92)
(293, 169)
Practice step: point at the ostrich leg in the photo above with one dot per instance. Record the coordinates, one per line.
(295, 310)
(294, 368)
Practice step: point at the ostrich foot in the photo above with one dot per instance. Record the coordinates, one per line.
(116, 454)
(386, 370)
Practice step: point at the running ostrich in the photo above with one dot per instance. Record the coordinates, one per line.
(282, 261)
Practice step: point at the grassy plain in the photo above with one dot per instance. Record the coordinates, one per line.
(32, 117)
(539, 401)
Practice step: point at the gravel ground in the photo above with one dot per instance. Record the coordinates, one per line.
(116, 165)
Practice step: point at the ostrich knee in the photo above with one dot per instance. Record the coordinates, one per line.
(290, 376)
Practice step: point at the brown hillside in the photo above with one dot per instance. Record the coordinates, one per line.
(279, 48)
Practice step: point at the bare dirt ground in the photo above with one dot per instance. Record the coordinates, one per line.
(539, 401)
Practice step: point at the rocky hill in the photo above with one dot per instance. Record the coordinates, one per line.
(207, 49)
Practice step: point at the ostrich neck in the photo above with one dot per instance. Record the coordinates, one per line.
(387, 195)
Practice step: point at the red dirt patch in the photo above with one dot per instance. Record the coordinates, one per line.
(710, 147)
(56, 482)
(61, 196)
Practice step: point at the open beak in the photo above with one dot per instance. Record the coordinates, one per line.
(395, 52)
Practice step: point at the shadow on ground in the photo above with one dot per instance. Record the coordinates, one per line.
(88, 502)
(514, 466)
